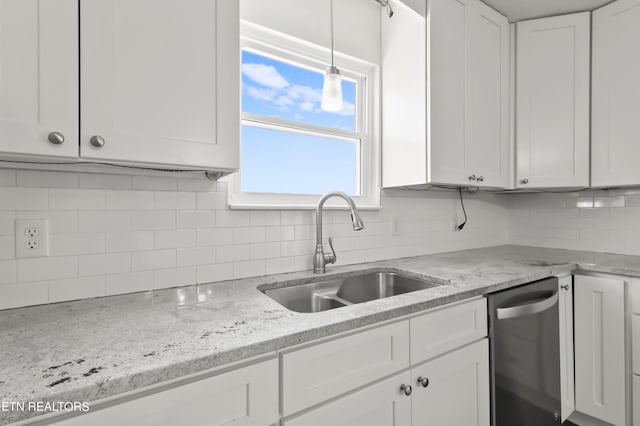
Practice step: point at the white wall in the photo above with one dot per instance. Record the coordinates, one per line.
(113, 234)
(604, 221)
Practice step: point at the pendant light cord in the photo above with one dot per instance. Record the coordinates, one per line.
(331, 26)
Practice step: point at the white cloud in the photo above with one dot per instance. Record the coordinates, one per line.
(284, 102)
(307, 106)
(348, 110)
(265, 75)
(260, 94)
(304, 93)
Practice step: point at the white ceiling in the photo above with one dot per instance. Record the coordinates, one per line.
(519, 10)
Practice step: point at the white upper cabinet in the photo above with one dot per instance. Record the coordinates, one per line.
(160, 82)
(552, 102)
(445, 94)
(38, 78)
(615, 115)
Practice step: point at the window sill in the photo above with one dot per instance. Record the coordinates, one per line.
(327, 206)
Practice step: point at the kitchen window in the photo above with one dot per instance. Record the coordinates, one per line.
(291, 150)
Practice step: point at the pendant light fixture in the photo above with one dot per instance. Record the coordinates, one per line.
(332, 87)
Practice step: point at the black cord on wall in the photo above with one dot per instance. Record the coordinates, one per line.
(463, 210)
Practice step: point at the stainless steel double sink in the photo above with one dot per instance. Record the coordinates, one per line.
(334, 293)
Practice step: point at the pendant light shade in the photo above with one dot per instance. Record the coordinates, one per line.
(332, 90)
(332, 87)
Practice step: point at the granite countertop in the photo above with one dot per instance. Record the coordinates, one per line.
(92, 349)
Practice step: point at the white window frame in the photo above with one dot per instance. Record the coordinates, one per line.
(281, 47)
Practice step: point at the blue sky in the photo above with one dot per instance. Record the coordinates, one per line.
(284, 162)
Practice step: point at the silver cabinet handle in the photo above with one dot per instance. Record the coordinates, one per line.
(423, 381)
(56, 138)
(480, 178)
(472, 177)
(528, 309)
(406, 389)
(565, 287)
(524, 181)
(97, 141)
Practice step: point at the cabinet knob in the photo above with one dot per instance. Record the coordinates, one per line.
(424, 381)
(406, 389)
(524, 181)
(565, 287)
(480, 178)
(472, 177)
(56, 138)
(97, 141)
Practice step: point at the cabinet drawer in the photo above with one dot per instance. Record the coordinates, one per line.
(318, 373)
(247, 397)
(446, 329)
(382, 404)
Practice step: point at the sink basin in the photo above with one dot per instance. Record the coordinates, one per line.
(323, 295)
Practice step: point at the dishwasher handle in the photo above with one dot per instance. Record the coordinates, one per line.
(528, 309)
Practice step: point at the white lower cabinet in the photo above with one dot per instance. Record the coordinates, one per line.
(246, 396)
(446, 382)
(453, 390)
(382, 404)
(600, 357)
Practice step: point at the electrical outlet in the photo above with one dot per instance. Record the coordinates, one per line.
(393, 225)
(32, 238)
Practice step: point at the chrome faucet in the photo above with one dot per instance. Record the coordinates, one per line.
(320, 259)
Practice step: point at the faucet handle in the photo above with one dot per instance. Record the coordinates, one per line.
(330, 257)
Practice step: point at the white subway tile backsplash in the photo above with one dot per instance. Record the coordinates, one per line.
(175, 200)
(167, 278)
(215, 237)
(193, 219)
(129, 282)
(7, 177)
(47, 268)
(249, 235)
(7, 247)
(101, 264)
(76, 244)
(175, 239)
(154, 183)
(130, 200)
(129, 241)
(7, 272)
(103, 221)
(113, 234)
(24, 294)
(234, 253)
(252, 268)
(103, 181)
(196, 256)
(153, 259)
(212, 200)
(153, 220)
(42, 179)
(212, 273)
(60, 222)
(76, 199)
(24, 199)
(76, 288)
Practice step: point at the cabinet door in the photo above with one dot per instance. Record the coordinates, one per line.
(446, 74)
(600, 348)
(487, 92)
(552, 103)
(616, 94)
(382, 404)
(160, 82)
(38, 77)
(567, 381)
(457, 390)
(244, 397)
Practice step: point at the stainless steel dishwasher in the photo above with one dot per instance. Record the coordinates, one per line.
(525, 355)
